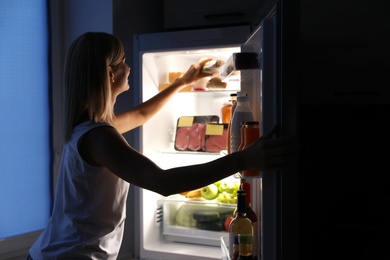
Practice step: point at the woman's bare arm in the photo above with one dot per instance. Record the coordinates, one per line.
(106, 147)
(133, 118)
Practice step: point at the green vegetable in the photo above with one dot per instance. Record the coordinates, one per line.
(212, 226)
(206, 216)
(184, 216)
(190, 215)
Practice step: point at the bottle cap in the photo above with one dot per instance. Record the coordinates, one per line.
(245, 238)
(247, 187)
(241, 201)
(242, 98)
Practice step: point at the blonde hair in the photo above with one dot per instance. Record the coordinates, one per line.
(87, 81)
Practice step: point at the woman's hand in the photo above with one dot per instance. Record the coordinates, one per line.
(137, 116)
(270, 153)
(194, 73)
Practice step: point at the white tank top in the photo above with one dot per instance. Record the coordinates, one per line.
(89, 209)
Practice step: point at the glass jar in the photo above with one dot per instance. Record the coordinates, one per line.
(250, 131)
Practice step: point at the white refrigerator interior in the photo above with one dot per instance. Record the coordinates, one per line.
(158, 136)
(175, 52)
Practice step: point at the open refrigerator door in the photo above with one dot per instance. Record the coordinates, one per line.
(178, 227)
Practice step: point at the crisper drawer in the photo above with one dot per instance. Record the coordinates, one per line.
(203, 13)
(197, 222)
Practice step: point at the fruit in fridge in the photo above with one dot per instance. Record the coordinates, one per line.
(193, 194)
(227, 185)
(209, 192)
(227, 222)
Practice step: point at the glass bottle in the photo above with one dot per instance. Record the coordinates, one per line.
(241, 224)
(233, 99)
(245, 247)
(249, 211)
(226, 112)
(250, 132)
(242, 112)
(251, 214)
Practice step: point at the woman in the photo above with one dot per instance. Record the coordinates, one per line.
(98, 164)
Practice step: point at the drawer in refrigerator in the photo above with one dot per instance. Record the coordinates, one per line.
(195, 221)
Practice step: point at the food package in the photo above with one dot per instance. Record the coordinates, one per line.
(201, 133)
(163, 86)
(191, 132)
(216, 83)
(209, 83)
(213, 66)
(215, 137)
(172, 76)
(200, 85)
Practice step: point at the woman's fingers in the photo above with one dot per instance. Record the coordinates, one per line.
(278, 153)
(273, 132)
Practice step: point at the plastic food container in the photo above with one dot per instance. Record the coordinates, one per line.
(200, 85)
(196, 222)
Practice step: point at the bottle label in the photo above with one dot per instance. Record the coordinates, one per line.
(233, 246)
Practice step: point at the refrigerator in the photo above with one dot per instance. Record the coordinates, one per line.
(321, 77)
(155, 56)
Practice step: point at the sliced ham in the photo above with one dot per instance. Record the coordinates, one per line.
(182, 138)
(216, 143)
(197, 135)
(191, 132)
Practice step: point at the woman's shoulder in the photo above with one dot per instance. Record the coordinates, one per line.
(83, 128)
(89, 125)
(95, 139)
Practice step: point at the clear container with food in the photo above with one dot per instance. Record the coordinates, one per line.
(201, 216)
(197, 222)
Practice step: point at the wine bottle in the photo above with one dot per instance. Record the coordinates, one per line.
(249, 211)
(245, 247)
(241, 224)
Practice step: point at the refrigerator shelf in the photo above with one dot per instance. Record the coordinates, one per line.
(196, 202)
(194, 236)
